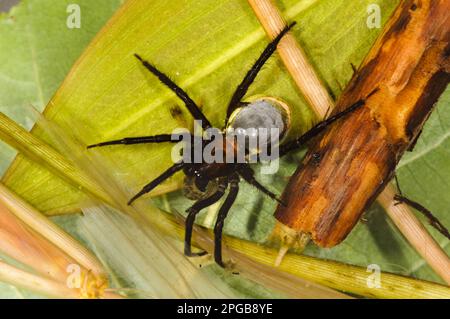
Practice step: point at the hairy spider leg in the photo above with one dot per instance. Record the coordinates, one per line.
(192, 213)
(398, 184)
(161, 178)
(433, 220)
(246, 172)
(141, 140)
(190, 104)
(320, 127)
(223, 212)
(242, 88)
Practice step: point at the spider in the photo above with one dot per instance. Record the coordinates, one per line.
(211, 180)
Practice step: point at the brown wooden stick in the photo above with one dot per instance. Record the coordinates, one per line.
(408, 224)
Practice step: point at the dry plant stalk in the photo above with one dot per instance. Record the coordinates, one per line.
(33, 240)
(40, 284)
(44, 285)
(294, 58)
(409, 66)
(28, 247)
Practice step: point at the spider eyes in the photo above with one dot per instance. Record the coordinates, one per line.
(264, 119)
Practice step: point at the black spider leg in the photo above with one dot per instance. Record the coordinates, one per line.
(190, 104)
(141, 140)
(223, 212)
(193, 211)
(433, 220)
(320, 127)
(398, 184)
(247, 174)
(161, 178)
(242, 88)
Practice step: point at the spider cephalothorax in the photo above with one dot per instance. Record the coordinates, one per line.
(207, 181)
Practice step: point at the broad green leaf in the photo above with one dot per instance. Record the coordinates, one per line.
(206, 47)
(37, 50)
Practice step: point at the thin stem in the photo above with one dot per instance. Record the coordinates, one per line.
(23, 279)
(29, 248)
(42, 225)
(293, 57)
(415, 232)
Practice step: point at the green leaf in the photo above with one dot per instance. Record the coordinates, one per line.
(206, 47)
(37, 52)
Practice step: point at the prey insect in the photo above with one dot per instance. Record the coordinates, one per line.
(211, 180)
